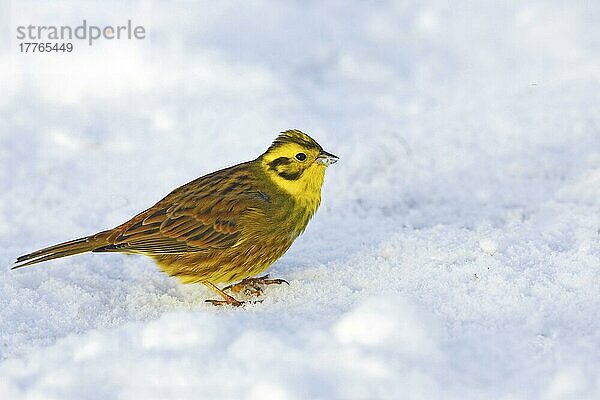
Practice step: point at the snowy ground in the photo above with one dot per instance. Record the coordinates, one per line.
(457, 251)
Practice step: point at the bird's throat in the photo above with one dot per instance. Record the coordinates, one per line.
(305, 191)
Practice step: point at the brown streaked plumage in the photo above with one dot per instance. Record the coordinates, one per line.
(226, 226)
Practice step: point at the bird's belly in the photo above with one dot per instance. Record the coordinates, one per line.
(223, 265)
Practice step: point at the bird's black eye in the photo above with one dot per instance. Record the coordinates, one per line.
(300, 156)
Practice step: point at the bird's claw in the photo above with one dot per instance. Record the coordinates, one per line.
(251, 286)
(236, 303)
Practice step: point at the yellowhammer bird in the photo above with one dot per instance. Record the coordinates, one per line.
(226, 226)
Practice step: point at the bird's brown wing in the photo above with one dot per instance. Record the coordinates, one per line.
(203, 214)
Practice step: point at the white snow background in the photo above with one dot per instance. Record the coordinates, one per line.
(456, 254)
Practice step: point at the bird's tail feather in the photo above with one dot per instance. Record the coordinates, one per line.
(65, 249)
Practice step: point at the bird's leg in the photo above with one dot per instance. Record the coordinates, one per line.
(251, 286)
(227, 299)
(246, 286)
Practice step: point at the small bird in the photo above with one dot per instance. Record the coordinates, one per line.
(227, 226)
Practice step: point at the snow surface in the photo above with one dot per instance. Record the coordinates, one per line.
(456, 254)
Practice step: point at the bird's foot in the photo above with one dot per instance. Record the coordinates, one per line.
(228, 302)
(227, 299)
(252, 286)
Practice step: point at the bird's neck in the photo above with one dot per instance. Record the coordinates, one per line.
(305, 191)
(308, 192)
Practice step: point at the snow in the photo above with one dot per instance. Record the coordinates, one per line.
(456, 253)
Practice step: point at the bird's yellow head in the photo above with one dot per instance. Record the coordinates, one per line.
(296, 164)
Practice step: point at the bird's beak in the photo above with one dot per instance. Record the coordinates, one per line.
(326, 158)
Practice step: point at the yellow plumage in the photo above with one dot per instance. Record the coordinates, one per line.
(226, 226)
